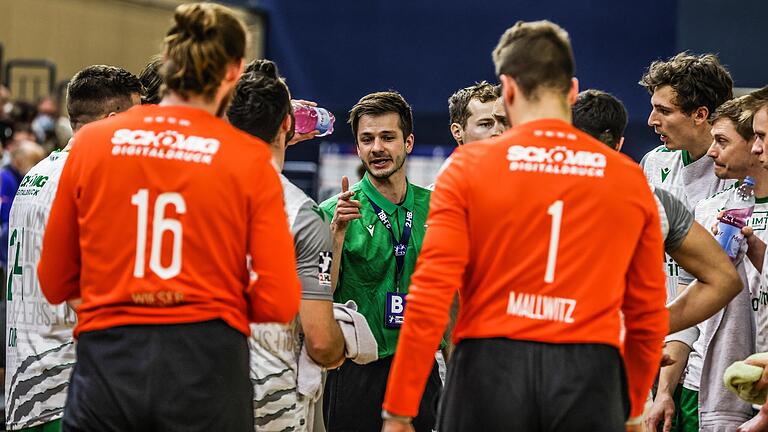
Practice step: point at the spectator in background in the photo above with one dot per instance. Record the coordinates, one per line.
(24, 156)
(44, 124)
(151, 80)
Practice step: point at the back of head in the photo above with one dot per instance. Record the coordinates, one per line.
(537, 55)
(261, 101)
(698, 81)
(151, 81)
(98, 90)
(204, 40)
(458, 103)
(380, 103)
(601, 115)
(26, 155)
(739, 113)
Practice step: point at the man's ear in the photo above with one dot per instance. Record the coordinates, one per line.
(409, 144)
(573, 93)
(285, 125)
(234, 70)
(620, 144)
(456, 131)
(509, 89)
(700, 115)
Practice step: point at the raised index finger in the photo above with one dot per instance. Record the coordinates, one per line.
(344, 184)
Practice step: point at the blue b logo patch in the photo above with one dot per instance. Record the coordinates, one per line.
(394, 311)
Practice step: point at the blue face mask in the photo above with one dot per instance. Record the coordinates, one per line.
(43, 126)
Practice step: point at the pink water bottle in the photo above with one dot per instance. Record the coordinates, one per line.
(309, 118)
(738, 210)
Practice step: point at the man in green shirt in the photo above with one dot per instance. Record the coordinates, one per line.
(378, 227)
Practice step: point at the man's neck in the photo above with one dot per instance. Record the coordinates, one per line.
(278, 156)
(393, 187)
(546, 107)
(699, 147)
(194, 101)
(761, 181)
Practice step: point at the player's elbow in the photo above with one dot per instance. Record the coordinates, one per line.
(50, 284)
(729, 281)
(325, 347)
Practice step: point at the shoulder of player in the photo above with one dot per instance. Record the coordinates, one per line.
(720, 195)
(709, 206)
(661, 153)
(419, 191)
(298, 205)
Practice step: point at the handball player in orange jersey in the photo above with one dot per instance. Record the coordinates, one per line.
(169, 224)
(549, 236)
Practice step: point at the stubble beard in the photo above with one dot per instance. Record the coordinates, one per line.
(398, 165)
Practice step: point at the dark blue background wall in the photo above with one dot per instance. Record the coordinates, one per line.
(335, 52)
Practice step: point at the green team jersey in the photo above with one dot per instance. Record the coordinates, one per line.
(368, 268)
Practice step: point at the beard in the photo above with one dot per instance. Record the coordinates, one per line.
(383, 174)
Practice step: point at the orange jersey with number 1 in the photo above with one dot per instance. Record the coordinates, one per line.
(156, 212)
(548, 235)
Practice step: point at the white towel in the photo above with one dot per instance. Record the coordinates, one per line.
(360, 347)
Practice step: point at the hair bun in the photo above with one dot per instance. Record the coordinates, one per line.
(196, 21)
(262, 66)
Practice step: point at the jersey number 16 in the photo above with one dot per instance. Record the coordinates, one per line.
(160, 225)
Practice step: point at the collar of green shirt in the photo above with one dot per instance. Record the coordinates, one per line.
(388, 206)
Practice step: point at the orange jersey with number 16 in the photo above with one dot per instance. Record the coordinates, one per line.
(548, 235)
(156, 213)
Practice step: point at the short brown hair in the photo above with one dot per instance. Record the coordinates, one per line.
(380, 103)
(204, 39)
(757, 100)
(698, 81)
(737, 111)
(458, 103)
(537, 55)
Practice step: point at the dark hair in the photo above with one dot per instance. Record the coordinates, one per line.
(601, 115)
(152, 81)
(698, 81)
(458, 103)
(380, 103)
(261, 101)
(737, 111)
(203, 41)
(536, 55)
(98, 90)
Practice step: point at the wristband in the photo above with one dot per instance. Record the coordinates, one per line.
(386, 415)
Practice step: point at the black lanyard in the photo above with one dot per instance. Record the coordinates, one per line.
(399, 248)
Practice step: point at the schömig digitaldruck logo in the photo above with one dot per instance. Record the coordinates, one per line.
(556, 160)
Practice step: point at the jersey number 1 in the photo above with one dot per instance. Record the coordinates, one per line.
(160, 225)
(556, 211)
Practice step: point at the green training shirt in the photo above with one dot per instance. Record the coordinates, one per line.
(368, 268)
